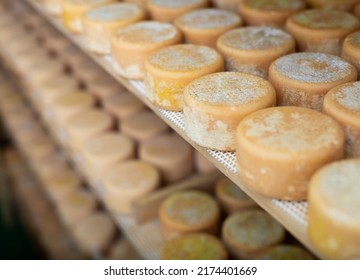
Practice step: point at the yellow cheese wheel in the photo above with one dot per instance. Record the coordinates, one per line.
(39, 147)
(253, 49)
(204, 26)
(303, 79)
(123, 105)
(343, 104)
(292, 141)
(99, 24)
(351, 49)
(321, 30)
(189, 212)
(215, 104)
(171, 69)
(343, 5)
(334, 224)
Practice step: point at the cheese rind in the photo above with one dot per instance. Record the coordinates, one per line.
(342, 5)
(351, 49)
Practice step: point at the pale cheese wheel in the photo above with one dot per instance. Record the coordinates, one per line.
(334, 214)
(343, 5)
(292, 141)
(171, 69)
(87, 71)
(215, 104)
(39, 147)
(320, 30)
(205, 26)
(53, 7)
(303, 79)
(50, 165)
(230, 5)
(252, 49)
(72, 56)
(99, 24)
(343, 104)
(351, 49)
(56, 43)
(141, 3)
(44, 70)
(123, 105)
(104, 87)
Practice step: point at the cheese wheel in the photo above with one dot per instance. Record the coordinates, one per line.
(85, 125)
(232, 199)
(202, 165)
(143, 126)
(56, 43)
(73, 10)
(188, 212)
(26, 59)
(122, 249)
(99, 24)
(87, 71)
(204, 27)
(39, 147)
(44, 70)
(303, 79)
(215, 104)
(343, 104)
(343, 5)
(72, 56)
(253, 49)
(285, 252)
(196, 246)
(168, 10)
(320, 30)
(351, 49)
(170, 154)
(250, 232)
(121, 189)
(123, 105)
(291, 141)
(94, 233)
(131, 45)
(50, 165)
(334, 224)
(141, 3)
(104, 87)
(230, 5)
(269, 12)
(53, 7)
(171, 69)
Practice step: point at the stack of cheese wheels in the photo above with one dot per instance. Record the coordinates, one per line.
(334, 224)
(143, 126)
(189, 212)
(343, 104)
(285, 252)
(171, 69)
(203, 27)
(344, 5)
(170, 154)
(99, 24)
(54, 7)
(86, 125)
(230, 5)
(232, 199)
(94, 233)
(123, 105)
(169, 10)
(105, 86)
(291, 141)
(269, 12)
(320, 30)
(248, 233)
(202, 165)
(215, 104)
(303, 79)
(131, 45)
(124, 182)
(351, 49)
(73, 10)
(253, 49)
(106, 150)
(195, 246)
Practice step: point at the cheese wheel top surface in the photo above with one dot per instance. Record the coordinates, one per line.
(59, 82)
(325, 19)
(147, 32)
(173, 4)
(291, 129)
(144, 122)
(114, 12)
(229, 89)
(274, 5)
(228, 188)
(208, 19)
(62, 180)
(285, 252)
(75, 99)
(187, 57)
(259, 38)
(315, 68)
(90, 120)
(190, 208)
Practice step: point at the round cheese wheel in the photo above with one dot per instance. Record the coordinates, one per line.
(127, 181)
(351, 49)
(269, 12)
(133, 44)
(44, 70)
(334, 224)
(170, 154)
(232, 199)
(56, 43)
(253, 49)
(321, 30)
(141, 3)
(168, 10)
(105, 86)
(143, 126)
(189, 212)
(123, 105)
(195, 246)
(72, 56)
(249, 232)
(122, 249)
(285, 252)
(343, 104)
(53, 7)
(202, 165)
(171, 69)
(99, 24)
(204, 27)
(343, 5)
(291, 141)
(39, 147)
(230, 5)
(303, 79)
(50, 165)
(87, 71)
(215, 104)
